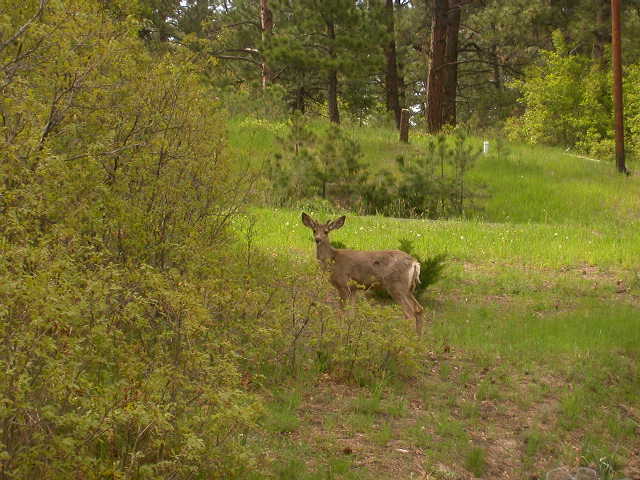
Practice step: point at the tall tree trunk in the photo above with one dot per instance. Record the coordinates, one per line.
(495, 66)
(402, 87)
(332, 77)
(332, 96)
(616, 64)
(435, 79)
(266, 27)
(450, 89)
(391, 77)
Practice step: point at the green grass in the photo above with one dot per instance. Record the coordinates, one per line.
(526, 185)
(475, 461)
(281, 415)
(543, 208)
(533, 244)
(533, 333)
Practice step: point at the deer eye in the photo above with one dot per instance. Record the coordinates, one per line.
(326, 232)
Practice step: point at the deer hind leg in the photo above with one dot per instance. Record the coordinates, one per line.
(408, 304)
(416, 305)
(417, 308)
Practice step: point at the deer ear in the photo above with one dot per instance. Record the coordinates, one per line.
(336, 224)
(308, 221)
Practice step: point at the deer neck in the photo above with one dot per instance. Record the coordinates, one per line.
(325, 253)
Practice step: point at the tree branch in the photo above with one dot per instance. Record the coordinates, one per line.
(234, 57)
(23, 28)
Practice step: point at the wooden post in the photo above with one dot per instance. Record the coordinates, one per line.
(617, 84)
(404, 125)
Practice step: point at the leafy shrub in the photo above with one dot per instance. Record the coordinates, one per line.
(631, 80)
(112, 370)
(115, 196)
(566, 100)
(378, 194)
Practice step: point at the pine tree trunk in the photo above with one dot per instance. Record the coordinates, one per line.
(266, 23)
(451, 69)
(391, 77)
(435, 79)
(332, 89)
(495, 67)
(402, 87)
(404, 125)
(332, 97)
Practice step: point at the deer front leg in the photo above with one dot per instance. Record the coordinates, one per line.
(344, 290)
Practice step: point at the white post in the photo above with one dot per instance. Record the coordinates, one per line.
(485, 147)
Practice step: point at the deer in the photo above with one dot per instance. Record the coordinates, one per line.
(397, 272)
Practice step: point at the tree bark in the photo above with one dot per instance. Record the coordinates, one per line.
(450, 88)
(435, 79)
(404, 126)
(402, 87)
(391, 77)
(266, 26)
(495, 67)
(332, 77)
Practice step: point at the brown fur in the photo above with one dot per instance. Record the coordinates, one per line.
(395, 271)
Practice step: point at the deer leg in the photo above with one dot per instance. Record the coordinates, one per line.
(416, 305)
(419, 323)
(345, 295)
(343, 291)
(417, 308)
(408, 307)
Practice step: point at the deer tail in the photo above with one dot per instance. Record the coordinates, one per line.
(415, 275)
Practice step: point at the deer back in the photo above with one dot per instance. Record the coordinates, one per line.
(384, 267)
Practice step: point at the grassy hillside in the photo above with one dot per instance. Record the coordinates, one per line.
(524, 184)
(541, 207)
(533, 336)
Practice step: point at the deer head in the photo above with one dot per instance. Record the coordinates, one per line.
(321, 230)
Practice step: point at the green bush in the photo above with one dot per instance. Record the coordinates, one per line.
(431, 268)
(431, 185)
(328, 166)
(567, 101)
(115, 196)
(310, 165)
(114, 371)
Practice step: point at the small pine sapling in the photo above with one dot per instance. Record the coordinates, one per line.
(430, 269)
